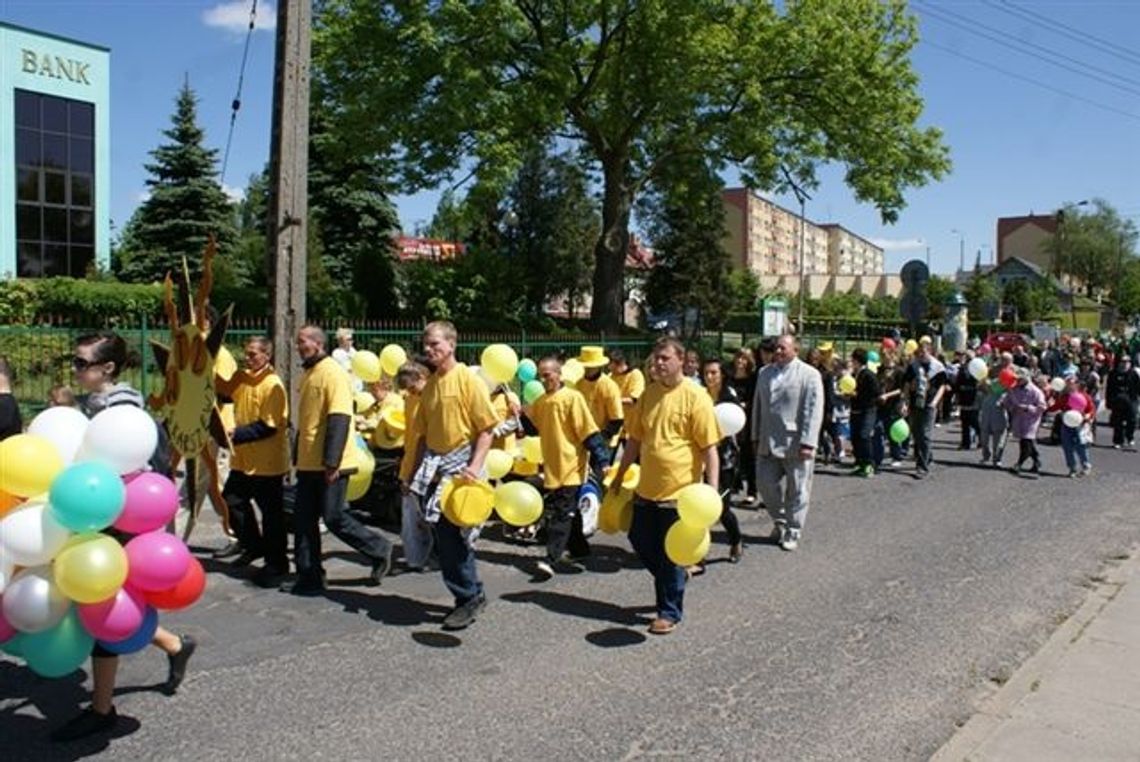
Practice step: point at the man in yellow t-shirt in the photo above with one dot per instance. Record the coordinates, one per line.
(630, 382)
(603, 396)
(324, 427)
(674, 433)
(259, 433)
(457, 421)
(571, 444)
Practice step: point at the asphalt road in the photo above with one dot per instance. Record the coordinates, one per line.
(906, 602)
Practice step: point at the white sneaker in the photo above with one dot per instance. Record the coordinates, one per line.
(896, 464)
(791, 539)
(543, 569)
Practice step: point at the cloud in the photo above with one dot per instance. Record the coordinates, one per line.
(234, 194)
(142, 196)
(899, 244)
(233, 16)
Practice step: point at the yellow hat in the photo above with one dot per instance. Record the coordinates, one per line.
(467, 504)
(593, 357)
(826, 346)
(394, 418)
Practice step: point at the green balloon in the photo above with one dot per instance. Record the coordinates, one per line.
(527, 371)
(532, 391)
(900, 431)
(60, 650)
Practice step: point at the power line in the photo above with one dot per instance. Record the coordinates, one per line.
(1000, 37)
(1032, 81)
(235, 106)
(1065, 30)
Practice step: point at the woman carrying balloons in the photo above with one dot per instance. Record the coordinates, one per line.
(1026, 404)
(673, 432)
(571, 446)
(728, 452)
(1077, 410)
(98, 360)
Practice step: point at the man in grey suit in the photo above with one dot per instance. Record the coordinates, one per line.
(785, 430)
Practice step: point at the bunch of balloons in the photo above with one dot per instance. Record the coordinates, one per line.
(65, 583)
(698, 508)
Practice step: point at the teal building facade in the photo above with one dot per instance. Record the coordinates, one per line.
(55, 178)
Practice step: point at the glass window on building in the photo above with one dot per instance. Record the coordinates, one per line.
(55, 185)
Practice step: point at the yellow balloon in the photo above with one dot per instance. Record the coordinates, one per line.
(28, 464)
(361, 401)
(359, 482)
(847, 385)
(391, 358)
(910, 347)
(616, 512)
(686, 545)
(499, 463)
(525, 468)
(572, 371)
(699, 505)
(518, 503)
(629, 482)
(532, 449)
(90, 568)
(366, 366)
(500, 363)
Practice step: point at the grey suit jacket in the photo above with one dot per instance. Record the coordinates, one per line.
(787, 409)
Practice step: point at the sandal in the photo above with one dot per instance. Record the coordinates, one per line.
(661, 626)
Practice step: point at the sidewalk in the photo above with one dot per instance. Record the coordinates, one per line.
(1078, 698)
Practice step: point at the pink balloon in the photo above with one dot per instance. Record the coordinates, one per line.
(152, 501)
(6, 630)
(116, 618)
(985, 349)
(1078, 401)
(158, 561)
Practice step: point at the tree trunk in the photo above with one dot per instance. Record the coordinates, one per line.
(606, 312)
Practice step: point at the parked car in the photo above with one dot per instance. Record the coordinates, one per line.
(1005, 341)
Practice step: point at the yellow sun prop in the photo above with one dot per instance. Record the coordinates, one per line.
(187, 401)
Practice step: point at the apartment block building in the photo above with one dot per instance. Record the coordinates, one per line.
(765, 237)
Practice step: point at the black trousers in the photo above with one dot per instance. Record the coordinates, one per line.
(317, 499)
(564, 524)
(1123, 421)
(1028, 451)
(241, 491)
(969, 420)
(728, 519)
(862, 433)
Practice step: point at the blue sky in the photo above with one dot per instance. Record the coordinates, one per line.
(1025, 135)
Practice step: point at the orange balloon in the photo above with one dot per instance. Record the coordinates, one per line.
(8, 502)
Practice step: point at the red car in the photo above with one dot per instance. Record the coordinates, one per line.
(1006, 341)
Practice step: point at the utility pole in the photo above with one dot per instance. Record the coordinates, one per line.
(289, 186)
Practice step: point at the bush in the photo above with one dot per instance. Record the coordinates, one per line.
(79, 302)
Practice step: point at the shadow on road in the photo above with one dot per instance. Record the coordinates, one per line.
(436, 639)
(388, 609)
(572, 605)
(615, 637)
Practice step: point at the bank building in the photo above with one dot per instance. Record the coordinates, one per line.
(54, 155)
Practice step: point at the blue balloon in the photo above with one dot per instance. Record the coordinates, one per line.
(87, 497)
(872, 356)
(527, 371)
(142, 637)
(60, 650)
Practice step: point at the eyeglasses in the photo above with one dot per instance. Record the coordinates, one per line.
(80, 364)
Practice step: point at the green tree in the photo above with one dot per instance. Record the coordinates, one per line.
(1126, 291)
(743, 289)
(938, 290)
(983, 294)
(1030, 301)
(1093, 247)
(774, 89)
(185, 207)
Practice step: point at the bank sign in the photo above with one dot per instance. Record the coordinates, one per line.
(55, 67)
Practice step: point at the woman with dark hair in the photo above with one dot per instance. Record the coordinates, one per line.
(98, 360)
(743, 383)
(729, 454)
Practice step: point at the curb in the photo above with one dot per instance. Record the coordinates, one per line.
(992, 711)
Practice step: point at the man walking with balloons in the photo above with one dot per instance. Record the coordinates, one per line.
(673, 433)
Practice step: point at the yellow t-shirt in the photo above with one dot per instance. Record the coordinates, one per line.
(564, 422)
(225, 366)
(454, 408)
(262, 398)
(604, 399)
(500, 403)
(325, 390)
(412, 436)
(674, 427)
(631, 384)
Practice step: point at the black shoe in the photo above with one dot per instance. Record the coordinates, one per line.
(304, 587)
(269, 577)
(380, 568)
(465, 614)
(232, 550)
(178, 663)
(87, 723)
(245, 559)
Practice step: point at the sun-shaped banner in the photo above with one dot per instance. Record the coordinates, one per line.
(187, 401)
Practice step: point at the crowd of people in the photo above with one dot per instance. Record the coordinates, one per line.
(870, 410)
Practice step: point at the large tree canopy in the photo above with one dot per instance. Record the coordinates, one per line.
(442, 88)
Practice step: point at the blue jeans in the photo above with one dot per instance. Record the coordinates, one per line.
(862, 435)
(921, 430)
(1076, 451)
(457, 562)
(647, 536)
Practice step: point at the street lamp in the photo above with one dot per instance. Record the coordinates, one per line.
(961, 250)
(802, 197)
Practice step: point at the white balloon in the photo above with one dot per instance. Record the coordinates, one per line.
(1072, 418)
(1057, 384)
(30, 535)
(730, 416)
(357, 385)
(123, 437)
(32, 602)
(5, 569)
(342, 357)
(977, 368)
(64, 427)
